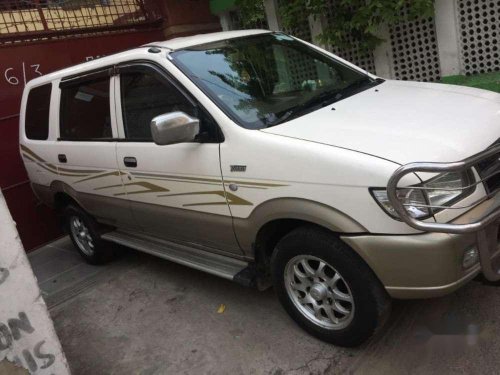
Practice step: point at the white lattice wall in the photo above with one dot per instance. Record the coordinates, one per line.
(302, 69)
(302, 32)
(415, 54)
(479, 23)
(468, 42)
(353, 54)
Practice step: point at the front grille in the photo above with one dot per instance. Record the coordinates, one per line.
(489, 171)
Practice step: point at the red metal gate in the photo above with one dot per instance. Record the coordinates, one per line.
(40, 36)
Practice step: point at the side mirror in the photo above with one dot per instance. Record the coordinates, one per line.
(174, 127)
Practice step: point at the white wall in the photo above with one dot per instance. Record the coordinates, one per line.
(27, 335)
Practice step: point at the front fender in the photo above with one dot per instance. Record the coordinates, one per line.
(246, 229)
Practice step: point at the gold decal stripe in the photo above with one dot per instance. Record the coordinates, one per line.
(109, 187)
(139, 174)
(87, 171)
(231, 198)
(237, 201)
(57, 169)
(253, 183)
(47, 167)
(72, 174)
(39, 164)
(114, 173)
(31, 153)
(150, 188)
(218, 181)
(176, 180)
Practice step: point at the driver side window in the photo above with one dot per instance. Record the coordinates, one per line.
(145, 94)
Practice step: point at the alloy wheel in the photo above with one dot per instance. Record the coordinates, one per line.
(81, 235)
(319, 292)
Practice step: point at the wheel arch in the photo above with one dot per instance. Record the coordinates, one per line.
(288, 211)
(269, 222)
(63, 195)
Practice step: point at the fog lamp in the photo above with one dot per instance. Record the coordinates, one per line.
(471, 257)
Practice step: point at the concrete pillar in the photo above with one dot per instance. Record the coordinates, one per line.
(316, 24)
(28, 340)
(225, 21)
(271, 8)
(448, 39)
(382, 55)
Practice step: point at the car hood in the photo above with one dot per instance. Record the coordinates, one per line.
(405, 122)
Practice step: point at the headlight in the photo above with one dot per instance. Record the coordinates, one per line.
(441, 191)
(413, 199)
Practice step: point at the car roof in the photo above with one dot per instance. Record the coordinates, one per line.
(189, 41)
(172, 44)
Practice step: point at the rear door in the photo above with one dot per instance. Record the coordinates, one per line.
(86, 147)
(176, 191)
(36, 140)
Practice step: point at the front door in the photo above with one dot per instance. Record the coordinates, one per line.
(175, 191)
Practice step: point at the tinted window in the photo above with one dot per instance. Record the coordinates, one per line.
(37, 112)
(264, 80)
(146, 95)
(85, 111)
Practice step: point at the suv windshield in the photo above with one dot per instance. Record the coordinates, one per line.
(264, 80)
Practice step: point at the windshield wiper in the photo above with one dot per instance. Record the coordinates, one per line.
(326, 98)
(357, 86)
(318, 101)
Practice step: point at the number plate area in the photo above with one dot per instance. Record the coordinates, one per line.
(488, 242)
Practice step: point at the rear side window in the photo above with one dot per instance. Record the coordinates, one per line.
(85, 113)
(37, 113)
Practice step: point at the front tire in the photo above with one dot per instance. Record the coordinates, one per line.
(83, 231)
(327, 288)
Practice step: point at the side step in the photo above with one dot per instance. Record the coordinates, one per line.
(215, 264)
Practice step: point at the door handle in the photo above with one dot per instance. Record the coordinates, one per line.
(62, 158)
(130, 161)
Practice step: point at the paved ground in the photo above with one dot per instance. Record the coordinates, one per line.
(143, 315)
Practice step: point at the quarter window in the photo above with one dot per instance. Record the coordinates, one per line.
(145, 95)
(37, 112)
(85, 113)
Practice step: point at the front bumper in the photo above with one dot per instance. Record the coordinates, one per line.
(417, 266)
(482, 220)
(430, 264)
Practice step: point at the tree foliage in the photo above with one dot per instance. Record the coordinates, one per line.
(252, 13)
(349, 19)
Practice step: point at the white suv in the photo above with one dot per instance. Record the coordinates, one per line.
(263, 159)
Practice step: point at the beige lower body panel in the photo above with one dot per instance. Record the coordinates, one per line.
(417, 266)
(168, 223)
(107, 210)
(433, 291)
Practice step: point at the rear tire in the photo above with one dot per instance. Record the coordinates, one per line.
(83, 231)
(327, 288)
